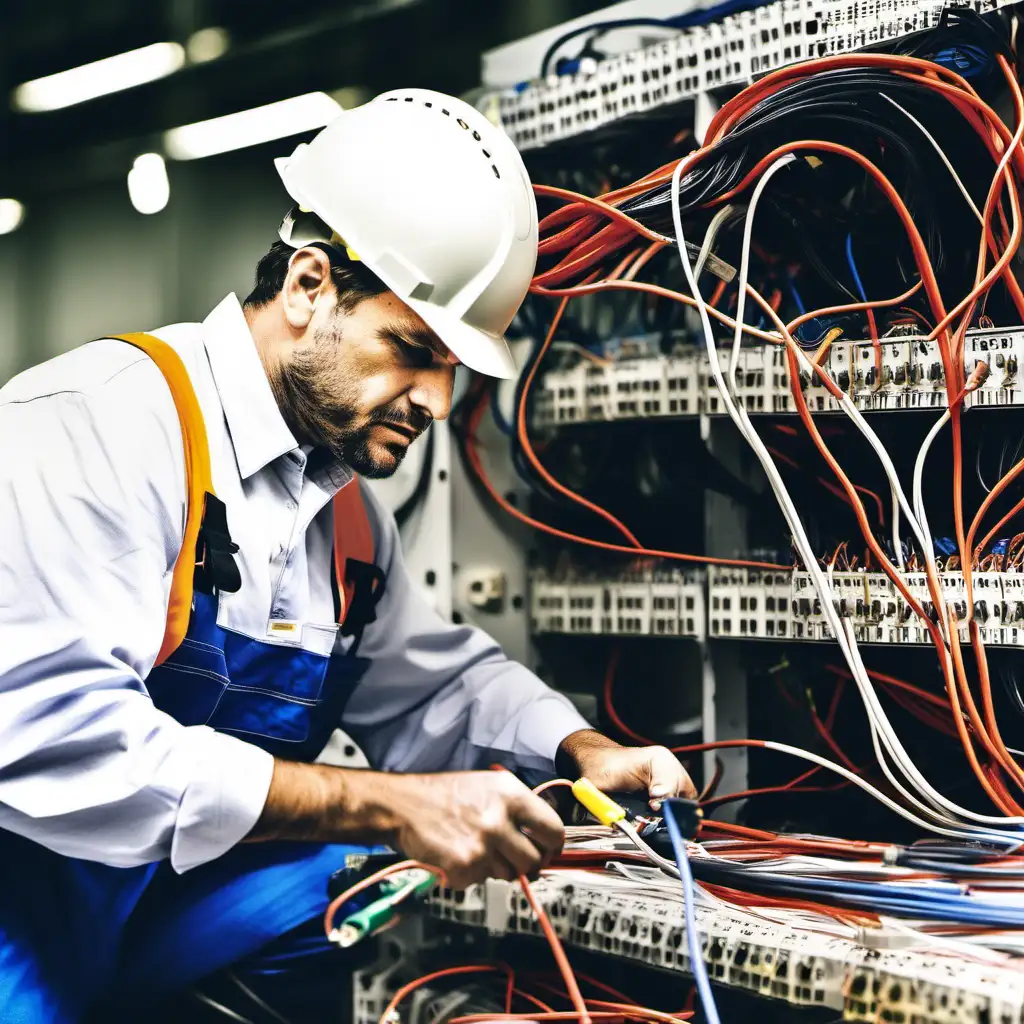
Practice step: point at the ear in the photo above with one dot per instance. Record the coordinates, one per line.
(307, 283)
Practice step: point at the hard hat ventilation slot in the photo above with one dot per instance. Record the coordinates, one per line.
(459, 121)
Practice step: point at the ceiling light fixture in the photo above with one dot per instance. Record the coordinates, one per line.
(112, 74)
(251, 127)
(207, 44)
(148, 186)
(12, 213)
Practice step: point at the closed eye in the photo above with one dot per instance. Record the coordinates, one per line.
(412, 352)
(416, 355)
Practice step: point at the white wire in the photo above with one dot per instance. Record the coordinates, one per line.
(738, 415)
(627, 829)
(942, 156)
(918, 494)
(807, 755)
(221, 1009)
(710, 235)
(826, 593)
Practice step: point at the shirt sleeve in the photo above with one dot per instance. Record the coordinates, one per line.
(438, 696)
(92, 502)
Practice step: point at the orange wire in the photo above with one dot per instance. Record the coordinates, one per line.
(564, 967)
(366, 883)
(476, 464)
(550, 784)
(964, 98)
(447, 972)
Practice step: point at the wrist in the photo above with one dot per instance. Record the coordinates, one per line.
(373, 803)
(320, 803)
(572, 753)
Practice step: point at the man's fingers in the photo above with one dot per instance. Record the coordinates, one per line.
(541, 824)
(668, 777)
(519, 851)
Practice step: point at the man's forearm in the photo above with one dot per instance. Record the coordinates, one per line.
(320, 803)
(573, 750)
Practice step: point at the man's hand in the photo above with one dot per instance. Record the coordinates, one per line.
(614, 768)
(471, 825)
(474, 825)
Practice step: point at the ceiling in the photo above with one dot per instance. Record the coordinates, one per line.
(278, 49)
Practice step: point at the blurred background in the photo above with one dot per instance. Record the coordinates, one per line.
(124, 210)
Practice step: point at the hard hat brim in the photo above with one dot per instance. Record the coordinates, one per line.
(479, 350)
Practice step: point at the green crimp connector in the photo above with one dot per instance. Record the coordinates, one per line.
(382, 911)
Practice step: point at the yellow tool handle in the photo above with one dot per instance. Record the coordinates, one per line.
(602, 807)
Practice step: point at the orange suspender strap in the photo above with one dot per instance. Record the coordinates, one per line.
(353, 539)
(198, 481)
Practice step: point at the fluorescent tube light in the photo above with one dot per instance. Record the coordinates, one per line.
(112, 74)
(251, 127)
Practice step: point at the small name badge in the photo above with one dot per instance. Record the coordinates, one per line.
(282, 627)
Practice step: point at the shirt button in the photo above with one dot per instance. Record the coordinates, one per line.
(291, 506)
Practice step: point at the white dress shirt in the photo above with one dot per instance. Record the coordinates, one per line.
(92, 513)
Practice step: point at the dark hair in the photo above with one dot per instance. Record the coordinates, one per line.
(352, 279)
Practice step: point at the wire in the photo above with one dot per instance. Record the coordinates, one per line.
(550, 784)
(378, 876)
(841, 630)
(266, 1007)
(564, 967)
(693, 944)
(221, 1009)
(387, 1017)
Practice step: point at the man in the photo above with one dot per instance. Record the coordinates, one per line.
(138, 800)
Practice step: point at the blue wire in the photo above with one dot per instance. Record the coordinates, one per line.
(697, 965)
(795, 296)
(680, 21)
(499, 417)
(853, 269)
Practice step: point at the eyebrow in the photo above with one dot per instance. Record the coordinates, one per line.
(418, 336)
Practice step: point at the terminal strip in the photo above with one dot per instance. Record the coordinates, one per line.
(641, 383)
(800, 966)
(729, 52)
(643, 601)
(785, 605)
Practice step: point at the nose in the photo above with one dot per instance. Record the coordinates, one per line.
(432, 390)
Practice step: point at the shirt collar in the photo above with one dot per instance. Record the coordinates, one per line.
(258, 431)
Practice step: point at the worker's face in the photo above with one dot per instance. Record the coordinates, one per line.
(366, 382)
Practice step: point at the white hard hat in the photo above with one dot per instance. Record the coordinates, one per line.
(434, 199)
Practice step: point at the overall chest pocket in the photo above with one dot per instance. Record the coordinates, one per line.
(236, 683)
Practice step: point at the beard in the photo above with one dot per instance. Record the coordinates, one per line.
(319, 397)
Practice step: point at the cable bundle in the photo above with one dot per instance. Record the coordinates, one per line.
(856, 175)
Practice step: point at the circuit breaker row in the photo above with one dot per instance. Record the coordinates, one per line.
(785, 605)
(799, 966)
(728, 52)
(903, 373)
(655, 602)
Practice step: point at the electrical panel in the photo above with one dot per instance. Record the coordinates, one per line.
(729, 52)
(842, 178)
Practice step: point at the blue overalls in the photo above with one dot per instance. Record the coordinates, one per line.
(75, 932)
